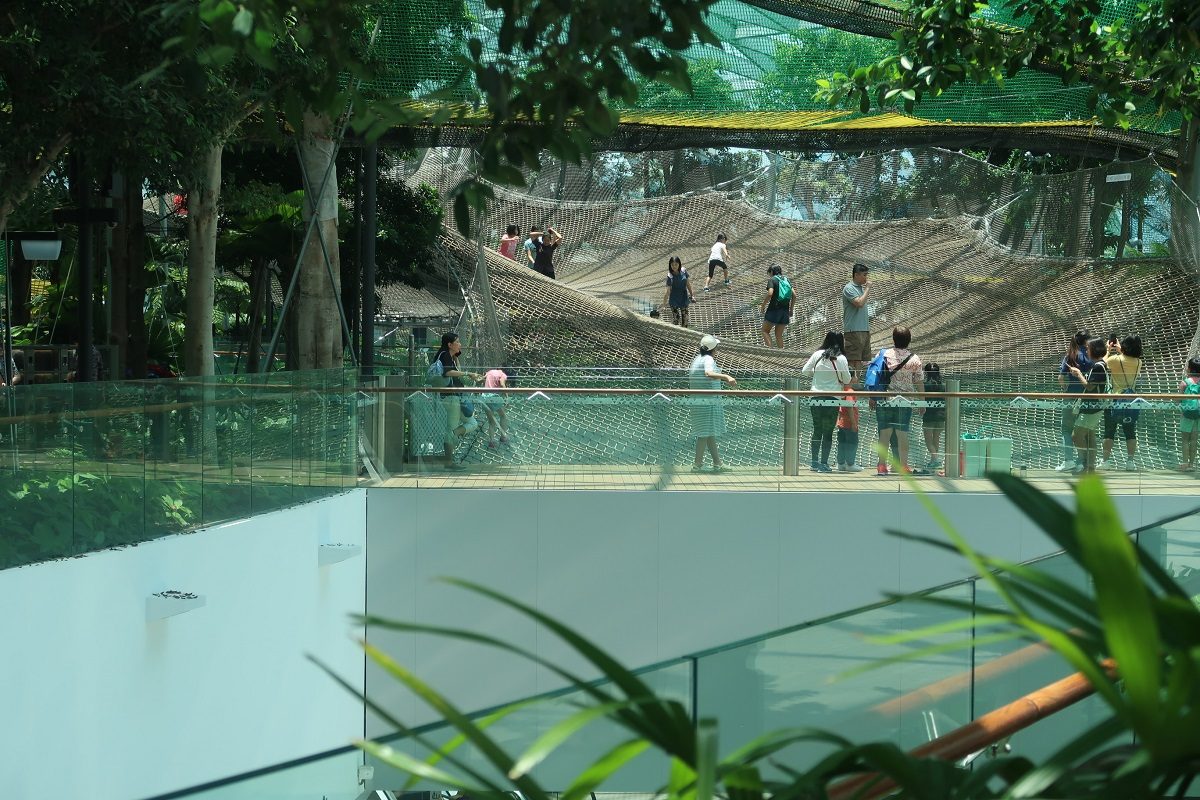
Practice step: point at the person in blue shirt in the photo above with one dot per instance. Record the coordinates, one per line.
(1076, 358)
(679, 291)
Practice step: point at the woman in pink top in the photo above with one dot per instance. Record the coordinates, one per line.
(907, 377)
(493, 404)
(509, 241)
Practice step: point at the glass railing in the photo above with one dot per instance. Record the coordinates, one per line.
(639, 436)
(88, 466)
(802, 676)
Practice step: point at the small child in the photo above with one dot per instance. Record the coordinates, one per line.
(1189, 422)
(847, 431)
(493, 404)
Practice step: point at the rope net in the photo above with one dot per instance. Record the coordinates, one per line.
(992, 269)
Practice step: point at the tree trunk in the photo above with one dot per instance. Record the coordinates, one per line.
(20, 272)
(318, 324)
(203, 195)
(259, 288)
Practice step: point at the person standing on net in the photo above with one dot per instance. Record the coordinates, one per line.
(679, 291)
(543, 256)
(856, 320)
(509, 242)
(531, 245)
(718, 257)
(776, 307)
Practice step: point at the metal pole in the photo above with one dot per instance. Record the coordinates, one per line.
(367, 273)
(8, 376)
(791, 431)
(953, 430)
(83, 358)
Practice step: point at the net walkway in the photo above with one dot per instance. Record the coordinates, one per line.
(968, 272)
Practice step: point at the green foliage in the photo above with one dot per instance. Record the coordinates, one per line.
(409, 223)
(1141, 62)
(708, 90)
(801, 66)
(1135, 614)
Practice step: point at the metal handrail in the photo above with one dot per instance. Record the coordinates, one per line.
(990, 729)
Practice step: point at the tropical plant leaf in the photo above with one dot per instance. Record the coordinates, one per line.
(418, 768)
(706, 758)
(499, 760)
(599, 770)
(560, 733)
(1041, 778)
(667, 724)
(1130, 627)
(406, 731)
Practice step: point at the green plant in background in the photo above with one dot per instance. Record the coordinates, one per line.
(1136, 614)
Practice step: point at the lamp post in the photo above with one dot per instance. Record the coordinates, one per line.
(35, 246)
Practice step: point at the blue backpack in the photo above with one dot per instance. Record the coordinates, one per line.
(878, 377)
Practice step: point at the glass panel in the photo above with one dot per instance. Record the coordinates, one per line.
(788, 681)
(331, 778)
(517, 731)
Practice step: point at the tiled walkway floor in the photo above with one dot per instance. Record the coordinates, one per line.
(752, 480)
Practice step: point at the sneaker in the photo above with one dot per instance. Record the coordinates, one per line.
(503, 439)
(471, 424)
(1066, 466)
(823, 468)
(1108, 463)
(881, 470)
(849, 468)
(706, 288)
(1131, 465)
(1077, 469)
(722, 468)
(729, 283)
(697, 468)
(491, 444)
(812, 465)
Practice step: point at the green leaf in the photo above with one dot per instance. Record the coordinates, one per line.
(243, 21)
(666, 722)
(706, 758)
(557, 735)
(1130, 627)
(599, 770)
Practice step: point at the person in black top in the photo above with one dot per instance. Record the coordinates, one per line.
(543, 254)
(456, 427)
(1087, 421)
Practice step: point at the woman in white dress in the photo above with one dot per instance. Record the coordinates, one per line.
(708, 416)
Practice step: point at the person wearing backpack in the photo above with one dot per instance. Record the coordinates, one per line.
(896, 370)
(1189, 421)
(776, 307)
(1088, 413)
(444, 371)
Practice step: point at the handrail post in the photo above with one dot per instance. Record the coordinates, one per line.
(953, 430)
(791, 430)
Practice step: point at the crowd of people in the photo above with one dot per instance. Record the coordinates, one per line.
(845, 359)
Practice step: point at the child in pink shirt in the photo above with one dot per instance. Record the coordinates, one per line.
(493, 404)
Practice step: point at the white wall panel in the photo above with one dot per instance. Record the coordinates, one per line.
(99, 702)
